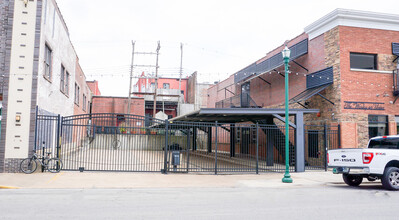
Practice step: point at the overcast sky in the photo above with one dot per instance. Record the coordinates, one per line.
(219, 37)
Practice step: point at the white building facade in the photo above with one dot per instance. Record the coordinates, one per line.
(38, 64)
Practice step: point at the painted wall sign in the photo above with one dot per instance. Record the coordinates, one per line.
(364, 105)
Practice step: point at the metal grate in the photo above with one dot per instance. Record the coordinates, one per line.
(273, 62)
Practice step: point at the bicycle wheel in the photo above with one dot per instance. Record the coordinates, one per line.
(116, 144)
(54, 165)
(28, 165)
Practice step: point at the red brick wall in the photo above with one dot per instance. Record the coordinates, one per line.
(173, 83)
(364, 86)
(93, 85)
(218, 91)
(106, 104)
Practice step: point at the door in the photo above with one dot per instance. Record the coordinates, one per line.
(245, 90)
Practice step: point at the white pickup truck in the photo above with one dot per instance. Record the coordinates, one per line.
(380, 160)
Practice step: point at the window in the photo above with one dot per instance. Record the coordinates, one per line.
(66, 83)
(397, 124)
(77, 93)
(62, 79)
(166, 85)
(378, 125)
(84, 102)
(363, 61)
(385, 143)
(47, 62)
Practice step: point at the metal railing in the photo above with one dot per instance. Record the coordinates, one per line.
(243, 100)
(396, 82)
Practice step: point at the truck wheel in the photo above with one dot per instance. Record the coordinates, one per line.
(352, 180)
(390, 179)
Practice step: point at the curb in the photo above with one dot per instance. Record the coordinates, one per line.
(8, 187)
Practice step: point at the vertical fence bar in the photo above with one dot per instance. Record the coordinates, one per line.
(165, 162)
(325, 146)
(188, 148)
(216, 147)
(339, 135)
(35, 145)
(257, 148)
(58, 144)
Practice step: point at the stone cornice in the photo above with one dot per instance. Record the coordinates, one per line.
(353, 18)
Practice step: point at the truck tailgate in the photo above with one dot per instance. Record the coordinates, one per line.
(345, 158)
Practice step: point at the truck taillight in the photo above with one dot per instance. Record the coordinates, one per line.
(328, 158)
(367, 157)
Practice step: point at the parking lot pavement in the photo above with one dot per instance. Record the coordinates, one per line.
(87, 180)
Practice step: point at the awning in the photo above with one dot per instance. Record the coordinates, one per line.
(234, 115)
(308, 93)
(315, 83)
(257, 69)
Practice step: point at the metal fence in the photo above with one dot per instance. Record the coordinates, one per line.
(226, 148)
(319, 139)
(118, 142)
(47, 133)
(112, 142)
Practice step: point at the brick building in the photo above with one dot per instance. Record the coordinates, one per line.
(93, 85)
(168, 94)
(82, 93)
(119, 105)
(344, 64)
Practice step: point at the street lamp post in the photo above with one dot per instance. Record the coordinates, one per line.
(287, 177)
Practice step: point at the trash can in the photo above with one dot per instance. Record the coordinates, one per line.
(175, 158)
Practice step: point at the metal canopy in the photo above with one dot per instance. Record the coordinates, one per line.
(234, 115)
(308, 93)
(256, 69)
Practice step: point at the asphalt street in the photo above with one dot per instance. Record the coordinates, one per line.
(331, 201)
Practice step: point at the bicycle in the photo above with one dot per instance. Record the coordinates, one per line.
(116, 143)
(29, 165)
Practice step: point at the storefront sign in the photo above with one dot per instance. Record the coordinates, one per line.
(364, 105)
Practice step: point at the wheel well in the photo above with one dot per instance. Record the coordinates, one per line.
(393, 163)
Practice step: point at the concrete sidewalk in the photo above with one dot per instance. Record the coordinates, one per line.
(87, 180)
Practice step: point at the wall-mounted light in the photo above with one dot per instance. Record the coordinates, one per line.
(25, 2)
(18, 118)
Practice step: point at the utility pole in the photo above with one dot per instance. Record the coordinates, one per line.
(181, 71)
(156, 81)
(131, 78)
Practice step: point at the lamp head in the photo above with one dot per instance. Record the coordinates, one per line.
(286, 52)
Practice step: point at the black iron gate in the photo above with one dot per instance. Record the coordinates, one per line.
(319, 139)
(47, 134)
(119, 142)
